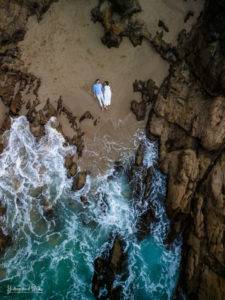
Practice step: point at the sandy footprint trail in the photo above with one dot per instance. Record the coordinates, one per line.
(65, 51)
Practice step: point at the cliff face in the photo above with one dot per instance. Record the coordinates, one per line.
(188, 118)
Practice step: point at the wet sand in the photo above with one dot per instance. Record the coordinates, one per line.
(65, 51)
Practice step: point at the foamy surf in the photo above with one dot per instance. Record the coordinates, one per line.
(55, 255)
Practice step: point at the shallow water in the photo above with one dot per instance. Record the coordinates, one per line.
(52, 257)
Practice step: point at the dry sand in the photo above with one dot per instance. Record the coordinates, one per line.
(65, 51)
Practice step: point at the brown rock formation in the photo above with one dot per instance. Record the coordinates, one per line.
(126, 26)
(107, 267)
(79, 181)
(148, 91)
(188, 119)
(141, 180)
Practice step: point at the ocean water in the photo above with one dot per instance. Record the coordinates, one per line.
(52, 256)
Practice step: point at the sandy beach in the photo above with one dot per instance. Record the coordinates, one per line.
(65, 51)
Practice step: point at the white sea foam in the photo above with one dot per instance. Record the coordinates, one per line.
(58, 253)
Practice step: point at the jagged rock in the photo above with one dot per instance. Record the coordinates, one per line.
(79, 181)
(139, 156)
(106, 268)
(115, 29)
(166, 50)
(139, 109)
(72, 170)
(68, 162)
(148, 89)
(71, 166)
(163, 25)
(116, 257)
(84, 200)
(16, 104)
(144, 221)
(15, 15)
(86, 115)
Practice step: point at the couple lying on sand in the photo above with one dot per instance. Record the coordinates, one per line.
(103, 93)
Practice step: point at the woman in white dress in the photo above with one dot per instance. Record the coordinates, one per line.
(107, 94)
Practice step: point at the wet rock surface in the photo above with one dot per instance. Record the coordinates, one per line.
(79, 181)
(111, 263)
(141, 180)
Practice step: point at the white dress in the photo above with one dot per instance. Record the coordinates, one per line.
(107, 95)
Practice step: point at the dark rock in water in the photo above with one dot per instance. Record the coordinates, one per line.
(189, 14)
(163, 25)
(84, 200)
(106, 268)
(5, 241)
(48, 211)
(86, 115)
(116, 258)
(139, 156)
(139, 109)
(126, 7)
(72, 170)
(79, 181)
(68, 162)
(148, 182)
(141, 181)
(144, 221)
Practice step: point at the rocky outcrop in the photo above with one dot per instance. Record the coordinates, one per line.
(14, 15)
(111, 263)
(148, 91)
(129, 25)
(79, 181)
(126, 26)
(141, 181)
(188, 119)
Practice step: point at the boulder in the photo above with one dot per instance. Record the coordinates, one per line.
(107, 266)
(79, 181)
(72, 170)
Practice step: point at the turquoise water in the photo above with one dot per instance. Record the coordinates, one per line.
(52, 257)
